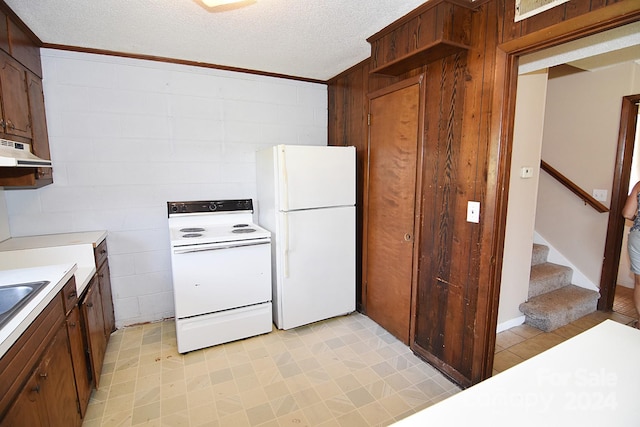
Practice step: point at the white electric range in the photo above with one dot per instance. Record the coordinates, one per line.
(221, 268)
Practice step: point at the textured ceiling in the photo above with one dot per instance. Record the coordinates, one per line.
(310, 39)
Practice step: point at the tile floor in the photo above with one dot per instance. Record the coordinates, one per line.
(346, 371)
(623, 302)
(523, 342)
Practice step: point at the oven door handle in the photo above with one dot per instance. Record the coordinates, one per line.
(205, 248)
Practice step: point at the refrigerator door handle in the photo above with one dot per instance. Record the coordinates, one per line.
(286, 245)
(285, 179)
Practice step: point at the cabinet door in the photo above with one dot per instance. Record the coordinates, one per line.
(80, 367)
(27, 410)
(107, 299)
(94, 324)
(57, 385)
(15, 101)
(40, 138)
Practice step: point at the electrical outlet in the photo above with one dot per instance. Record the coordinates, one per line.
(526, 172)
(473, 212)
(600, 195)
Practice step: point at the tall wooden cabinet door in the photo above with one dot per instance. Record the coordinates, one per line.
(57, 385)
(107, 299)
(389, 215)
(15, 102)
(80, 369)
(94, 324)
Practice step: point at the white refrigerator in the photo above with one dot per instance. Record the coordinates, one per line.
(306, 198)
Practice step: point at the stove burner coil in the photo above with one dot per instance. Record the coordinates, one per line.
(188, 235)
(240, 225)
(191, 230)
(243, 230)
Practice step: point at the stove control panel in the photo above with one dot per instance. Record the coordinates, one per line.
(203, 206)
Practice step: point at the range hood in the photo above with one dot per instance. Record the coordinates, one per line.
(18, 154)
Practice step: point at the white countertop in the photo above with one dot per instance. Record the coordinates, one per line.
(52, 257)
(592, 379)
(53, 249)
(57, 275)
(50, 240)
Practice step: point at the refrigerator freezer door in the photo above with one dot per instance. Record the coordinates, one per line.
(314, 177)
(315, 266)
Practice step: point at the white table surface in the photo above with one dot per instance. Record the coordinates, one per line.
(592, 379)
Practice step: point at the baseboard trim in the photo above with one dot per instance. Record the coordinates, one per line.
(510, 324)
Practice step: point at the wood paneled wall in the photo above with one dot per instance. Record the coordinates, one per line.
(460, 263)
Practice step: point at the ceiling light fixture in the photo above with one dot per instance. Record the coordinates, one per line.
(214, 3)
(222, 5)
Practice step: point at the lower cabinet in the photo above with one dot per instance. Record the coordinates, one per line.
(104, 278)
(96, 307)
(49, 397)
(79, 359)
(93, 321)
(28, 409)
(48, 374)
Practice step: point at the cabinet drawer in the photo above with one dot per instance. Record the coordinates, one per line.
(70, 295)
(100, 253)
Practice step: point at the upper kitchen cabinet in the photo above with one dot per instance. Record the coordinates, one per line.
(22, 112)
(4, 31)
(23, 48)
(435, 30)
(14, 98)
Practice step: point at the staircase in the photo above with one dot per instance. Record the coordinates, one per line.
(553, 301)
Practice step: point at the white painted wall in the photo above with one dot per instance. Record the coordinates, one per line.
(580, 138)
(527, 144)
(128, 135)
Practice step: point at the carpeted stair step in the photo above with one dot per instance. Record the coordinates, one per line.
(557, 308)
(539, 254)
(548, 277)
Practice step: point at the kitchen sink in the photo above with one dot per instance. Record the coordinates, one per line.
(14, 297)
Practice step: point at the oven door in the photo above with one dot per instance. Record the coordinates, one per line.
(220, 276)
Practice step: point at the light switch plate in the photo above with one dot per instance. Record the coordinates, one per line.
(600, 195)
(473, 212)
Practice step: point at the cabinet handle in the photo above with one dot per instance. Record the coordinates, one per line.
(89, 304)
(103, 251)
(10, 125)
(72, 295)
(72, 324)
(43, 375)
(36, 389)
(2, 123)
(407, 237)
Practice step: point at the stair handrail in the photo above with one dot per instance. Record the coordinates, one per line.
(573, 187)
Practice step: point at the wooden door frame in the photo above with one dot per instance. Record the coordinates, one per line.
(501, 137)
(619, 191)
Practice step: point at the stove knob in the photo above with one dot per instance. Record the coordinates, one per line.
(174, 208)
(184, 208)
(212, 206)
